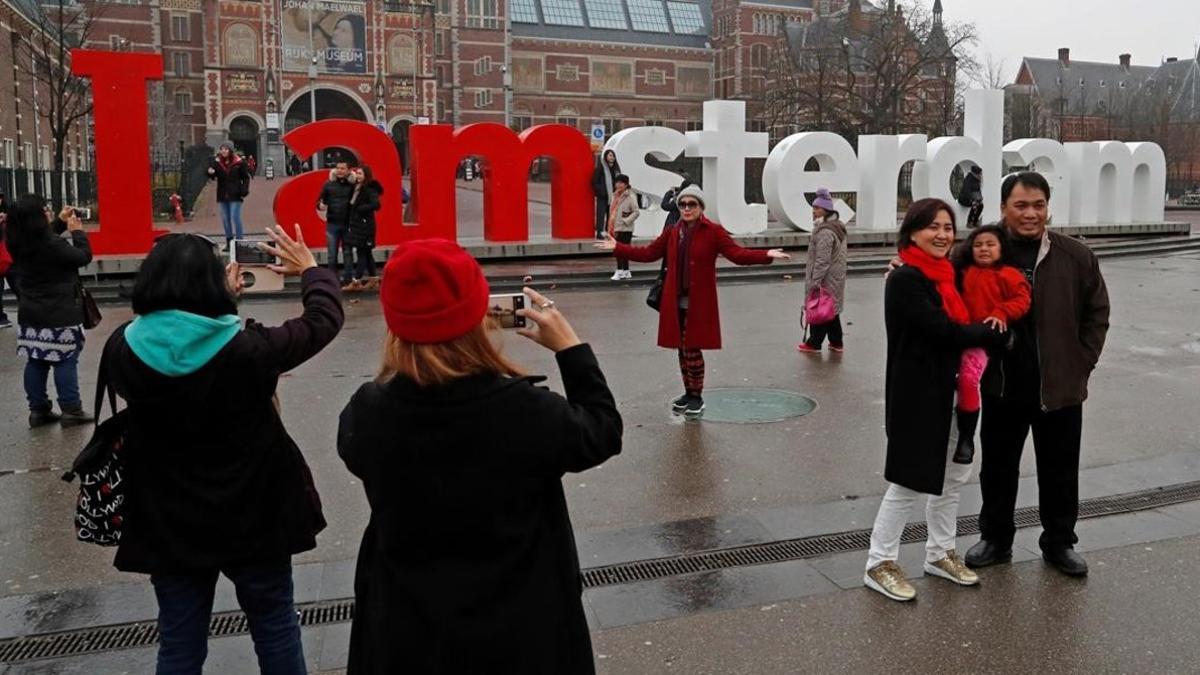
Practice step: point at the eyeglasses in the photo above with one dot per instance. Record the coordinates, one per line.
(689, 205)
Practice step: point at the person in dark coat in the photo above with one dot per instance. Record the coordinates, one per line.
(335, 199)
(233, 184)
(1041, 384)
(689, 319)
(971, 195)
(360, 234)
(50, 335)
(603, 184)
(5, 261)
(668, 202)
(927, 329)
(214, 483)
(468, 563)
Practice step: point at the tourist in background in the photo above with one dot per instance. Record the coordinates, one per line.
(50, 305)
(360, 235)
(5, 261)
(668, 202)
(689, 319)
(431, 440)
(825, 273)
(621, 216)
(603, 183)
(927, 328)
(233, 184)
(214, 483)
(335, 200)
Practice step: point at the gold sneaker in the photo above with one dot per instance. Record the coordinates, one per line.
(888, 578)
(951, 567)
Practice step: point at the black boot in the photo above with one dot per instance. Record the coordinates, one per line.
(41, 417)
(965, 452)
(75, 416)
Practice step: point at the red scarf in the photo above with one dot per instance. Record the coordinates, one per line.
(941, 273)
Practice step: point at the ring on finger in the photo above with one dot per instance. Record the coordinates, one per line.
(547, 304)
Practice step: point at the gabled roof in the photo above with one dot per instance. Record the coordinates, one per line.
(1091, 87)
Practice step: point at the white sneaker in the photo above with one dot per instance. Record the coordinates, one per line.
(617, 276)
(626, 274)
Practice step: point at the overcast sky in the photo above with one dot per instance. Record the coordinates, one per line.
(1095, 30)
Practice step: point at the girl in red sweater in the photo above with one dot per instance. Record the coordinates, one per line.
(995, 293)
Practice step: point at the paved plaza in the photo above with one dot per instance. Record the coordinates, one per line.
(679, 488)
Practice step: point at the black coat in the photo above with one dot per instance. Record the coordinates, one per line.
(212, 476)
(233, 180)
(599, 181)
(335, 195)
(46, 275)
(468, 564)
(923, 352)
(362, 215)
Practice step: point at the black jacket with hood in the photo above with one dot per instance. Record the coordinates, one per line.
(364, 204)
(335, 195)
(46, 275)
(233, 178)
(213, 478)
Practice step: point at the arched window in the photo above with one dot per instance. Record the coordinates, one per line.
(567, 115)
(402, 55)
(241, 46)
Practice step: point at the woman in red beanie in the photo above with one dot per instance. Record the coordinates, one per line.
(468, 564)
(689, 319)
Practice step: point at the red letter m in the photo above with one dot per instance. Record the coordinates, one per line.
(438, 149)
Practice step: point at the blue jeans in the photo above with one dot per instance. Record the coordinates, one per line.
(231, 219)
(335, 238)
(264, 591)
(66, 382)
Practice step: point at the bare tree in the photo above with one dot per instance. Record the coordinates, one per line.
(858, 73)
(988, 73)
(63, 99)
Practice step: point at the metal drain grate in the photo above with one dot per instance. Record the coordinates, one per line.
(145, 633)
(858, 540)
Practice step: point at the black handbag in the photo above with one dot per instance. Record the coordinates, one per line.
(654, 297)
(91, 312)
(101, 470)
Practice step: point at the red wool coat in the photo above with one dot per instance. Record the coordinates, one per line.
(703, 317)
(1000, 291)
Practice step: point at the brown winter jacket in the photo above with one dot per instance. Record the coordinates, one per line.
(1070, 313)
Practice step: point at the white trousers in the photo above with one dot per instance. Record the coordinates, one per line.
(941, 517)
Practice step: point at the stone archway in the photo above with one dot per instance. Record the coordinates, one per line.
(330, 104)
(243, 133)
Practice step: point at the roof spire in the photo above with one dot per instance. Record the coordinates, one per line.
(937, 11)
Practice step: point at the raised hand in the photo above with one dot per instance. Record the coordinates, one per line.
(294, 256)
(552, 332)
(607, 244)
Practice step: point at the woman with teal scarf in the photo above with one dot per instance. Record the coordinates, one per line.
(214, 483)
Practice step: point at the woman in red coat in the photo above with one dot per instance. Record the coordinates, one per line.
(689, 319)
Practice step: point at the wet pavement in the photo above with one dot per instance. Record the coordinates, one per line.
(680, 487)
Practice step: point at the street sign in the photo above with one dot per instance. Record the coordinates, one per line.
(273, 120)
(422, 120)
(598, 133)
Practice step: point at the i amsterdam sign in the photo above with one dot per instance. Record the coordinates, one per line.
(1100, 182)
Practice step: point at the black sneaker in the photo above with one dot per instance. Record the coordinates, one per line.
(40, 418)
(695, 407)
(680, 404)
(5, 323)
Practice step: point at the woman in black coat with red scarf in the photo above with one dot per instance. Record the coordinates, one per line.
(927, 329)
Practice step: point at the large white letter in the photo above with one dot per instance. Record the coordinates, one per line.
(1048, 158)
(725, 146)
(880, 159)
(1149, 182)
(632, 146)
(785, 181)
(1084, 160)
(983, 145)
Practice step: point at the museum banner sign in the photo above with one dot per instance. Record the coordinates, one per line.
(1093, 182)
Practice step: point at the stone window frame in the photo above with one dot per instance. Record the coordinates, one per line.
(656, 77)
(566, 72)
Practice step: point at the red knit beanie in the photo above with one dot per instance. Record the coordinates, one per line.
(432, 291)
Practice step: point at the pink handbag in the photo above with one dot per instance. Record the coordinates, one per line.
(820, 307)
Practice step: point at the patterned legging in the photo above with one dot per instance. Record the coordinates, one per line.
(691, 362)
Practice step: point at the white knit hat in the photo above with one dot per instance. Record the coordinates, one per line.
(692, 190)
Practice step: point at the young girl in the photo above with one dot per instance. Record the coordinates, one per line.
(995, 293)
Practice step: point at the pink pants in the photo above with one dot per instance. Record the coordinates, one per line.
(970, 371)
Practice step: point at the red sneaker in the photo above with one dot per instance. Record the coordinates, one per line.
(804, 347)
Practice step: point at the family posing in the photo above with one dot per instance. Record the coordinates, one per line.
(1024, 317)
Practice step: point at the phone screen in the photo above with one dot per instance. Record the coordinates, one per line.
(503, 309)
(247, 253)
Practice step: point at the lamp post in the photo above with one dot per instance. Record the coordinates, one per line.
(312, 101)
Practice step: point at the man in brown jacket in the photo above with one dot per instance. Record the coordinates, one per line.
(1041, 383)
